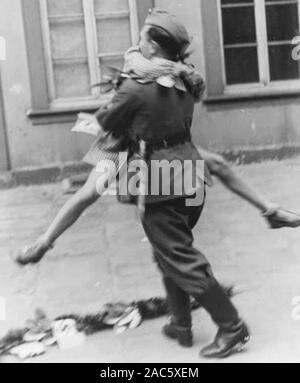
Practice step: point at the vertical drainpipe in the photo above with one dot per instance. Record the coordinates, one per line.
(3, 123)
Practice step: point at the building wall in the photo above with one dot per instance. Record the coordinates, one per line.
(218, 126)
(29, 145)
(235, 124)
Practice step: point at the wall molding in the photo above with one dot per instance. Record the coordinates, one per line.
(57, 172)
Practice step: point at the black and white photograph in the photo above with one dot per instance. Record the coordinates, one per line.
(149, 184)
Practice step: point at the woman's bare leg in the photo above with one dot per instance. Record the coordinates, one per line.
(276, 216)
(220, 168)
(67, 216)
(72, 209)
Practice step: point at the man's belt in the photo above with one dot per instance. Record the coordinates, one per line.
(169, 142)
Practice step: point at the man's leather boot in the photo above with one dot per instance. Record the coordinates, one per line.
(233, 333)
(180, 326)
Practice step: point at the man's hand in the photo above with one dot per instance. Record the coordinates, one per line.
(168, 67)
(182, 69)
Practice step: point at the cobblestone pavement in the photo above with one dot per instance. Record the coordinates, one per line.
(104, 258)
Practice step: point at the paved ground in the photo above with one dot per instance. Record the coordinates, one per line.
(103, 258)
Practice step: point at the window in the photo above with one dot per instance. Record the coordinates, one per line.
(239, 42)
(81, 38)
(255, 42)
(282, 19)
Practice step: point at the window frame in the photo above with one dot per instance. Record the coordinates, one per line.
(43, 110)
(93, 56)
(217, 88)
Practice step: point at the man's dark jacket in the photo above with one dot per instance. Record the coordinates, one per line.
(154, 113)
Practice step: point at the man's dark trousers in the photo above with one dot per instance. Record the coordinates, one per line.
(186, 271)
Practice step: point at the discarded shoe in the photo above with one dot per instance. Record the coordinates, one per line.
(114, 312)
(30, 337)
(28, 350)
(130, 320)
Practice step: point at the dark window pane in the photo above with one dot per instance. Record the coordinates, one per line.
(282, 65)
(233, 2)
(282, 22)
(241, 65)
(239, 25)
(280, 1)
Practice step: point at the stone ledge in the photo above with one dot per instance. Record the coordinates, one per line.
(41, 175)
(244, 156)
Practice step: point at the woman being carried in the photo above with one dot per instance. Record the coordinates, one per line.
(106, 147)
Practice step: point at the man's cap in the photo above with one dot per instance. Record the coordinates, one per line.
(170, 24)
